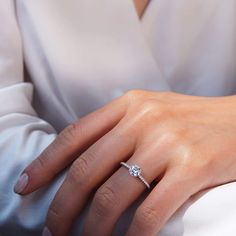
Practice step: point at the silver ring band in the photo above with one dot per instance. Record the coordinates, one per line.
(135, 170)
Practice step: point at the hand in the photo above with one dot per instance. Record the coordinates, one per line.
(184, 143)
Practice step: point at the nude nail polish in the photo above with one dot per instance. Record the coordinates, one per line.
(21, 183)
(46, 232)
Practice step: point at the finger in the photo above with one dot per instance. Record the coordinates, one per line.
(120, 191)
(70, 143)
(171, 192)
(87, 173)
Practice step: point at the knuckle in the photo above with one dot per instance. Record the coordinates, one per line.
(78, 171)
(152, 110)
(133, 95)
(184, 154)
(41, 163)
(72, 131)
(151, 106)
(175, 135)
(54, 214)
(147, 217)
(104, 201)
(69, 131)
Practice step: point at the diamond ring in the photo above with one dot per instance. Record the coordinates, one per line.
(135, 170)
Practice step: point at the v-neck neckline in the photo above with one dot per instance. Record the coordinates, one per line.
(140, 22)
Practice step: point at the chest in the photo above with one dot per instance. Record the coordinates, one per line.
(141, 6)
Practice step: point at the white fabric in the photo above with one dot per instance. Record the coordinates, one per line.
(80, 54)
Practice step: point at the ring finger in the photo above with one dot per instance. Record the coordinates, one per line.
(120, 191)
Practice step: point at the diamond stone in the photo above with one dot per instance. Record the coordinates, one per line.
(135, 170)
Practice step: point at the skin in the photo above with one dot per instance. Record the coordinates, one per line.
(141, 6)
(184, 144)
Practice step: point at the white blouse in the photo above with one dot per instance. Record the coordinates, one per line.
(61, 59)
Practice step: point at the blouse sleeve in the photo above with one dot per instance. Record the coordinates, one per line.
(23, 135)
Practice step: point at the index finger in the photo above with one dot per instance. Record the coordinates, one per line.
(68, 145)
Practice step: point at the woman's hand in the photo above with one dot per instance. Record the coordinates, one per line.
(183, 143)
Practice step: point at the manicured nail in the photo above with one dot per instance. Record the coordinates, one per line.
(21, 183)
(46, 232)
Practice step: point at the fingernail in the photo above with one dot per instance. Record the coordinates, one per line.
(46, 232)
(21, 183)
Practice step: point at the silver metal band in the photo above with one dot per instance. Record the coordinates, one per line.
(135, 170)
